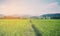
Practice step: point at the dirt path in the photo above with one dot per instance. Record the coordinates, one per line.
(37, 32)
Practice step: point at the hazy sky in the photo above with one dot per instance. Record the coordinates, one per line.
(29, 7)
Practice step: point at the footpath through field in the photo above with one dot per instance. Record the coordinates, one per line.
(37, 32)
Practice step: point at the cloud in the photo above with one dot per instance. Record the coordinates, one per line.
(48, 8)
(53, 8)
(22, 7)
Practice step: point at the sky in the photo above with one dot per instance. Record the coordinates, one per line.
(29, 7)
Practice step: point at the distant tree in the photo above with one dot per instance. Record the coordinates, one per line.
(51, 16)
(1, 16)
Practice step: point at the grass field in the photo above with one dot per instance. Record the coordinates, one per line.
(23, 27)
(48, 27)
(15, 27)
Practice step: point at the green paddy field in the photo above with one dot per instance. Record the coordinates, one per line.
(48, 27)
(23, 27)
